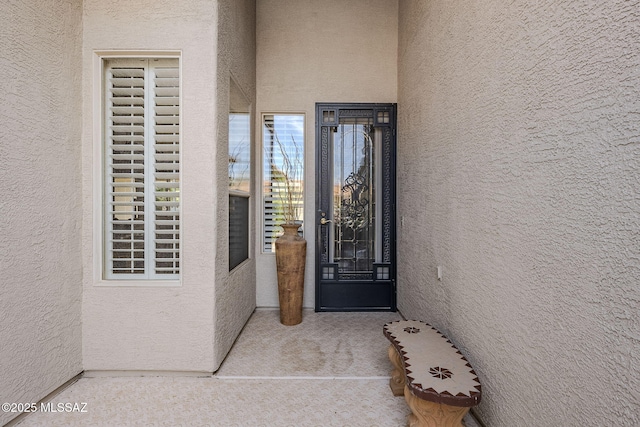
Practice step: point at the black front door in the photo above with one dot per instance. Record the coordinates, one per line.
(355, 201)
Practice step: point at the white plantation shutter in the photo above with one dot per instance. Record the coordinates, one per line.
(142, 185)
(166, 184)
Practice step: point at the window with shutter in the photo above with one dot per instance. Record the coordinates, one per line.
(283, 177)
(142, 169)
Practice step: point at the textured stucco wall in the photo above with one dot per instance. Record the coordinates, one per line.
(40, 288)
(235, 292)
(308, 52)
(156, 328)
(519, 146)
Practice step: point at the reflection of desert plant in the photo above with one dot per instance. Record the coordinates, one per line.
(239, 147)
(236, 161)
(286, 181)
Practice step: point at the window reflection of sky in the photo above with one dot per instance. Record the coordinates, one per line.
(289, 131)
(349, 146)
(239, 151)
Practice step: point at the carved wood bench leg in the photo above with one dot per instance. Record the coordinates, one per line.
(430, 414)
(396, 382)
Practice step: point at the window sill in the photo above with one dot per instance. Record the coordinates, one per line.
(138, 283)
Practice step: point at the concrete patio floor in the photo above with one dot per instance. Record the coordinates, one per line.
(331, 370)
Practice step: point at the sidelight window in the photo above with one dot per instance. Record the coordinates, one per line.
(283, 173)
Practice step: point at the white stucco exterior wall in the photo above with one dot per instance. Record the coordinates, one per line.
(308, 52)
(520, 151)
(155, 328)
(40, 289)
(235, 291)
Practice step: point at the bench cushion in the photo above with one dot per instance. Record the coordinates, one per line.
(435, 369)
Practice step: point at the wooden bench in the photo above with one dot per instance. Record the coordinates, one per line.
(437, 381)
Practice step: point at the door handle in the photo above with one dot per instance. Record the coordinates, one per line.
(324, 221)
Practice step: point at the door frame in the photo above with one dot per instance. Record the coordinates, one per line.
(379, 292)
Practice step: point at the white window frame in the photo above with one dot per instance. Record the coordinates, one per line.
(240, 105)
(301, 201)
(101, 276)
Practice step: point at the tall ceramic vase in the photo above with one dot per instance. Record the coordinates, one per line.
(291, 253)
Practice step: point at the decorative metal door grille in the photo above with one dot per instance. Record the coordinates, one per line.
(355, 200)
